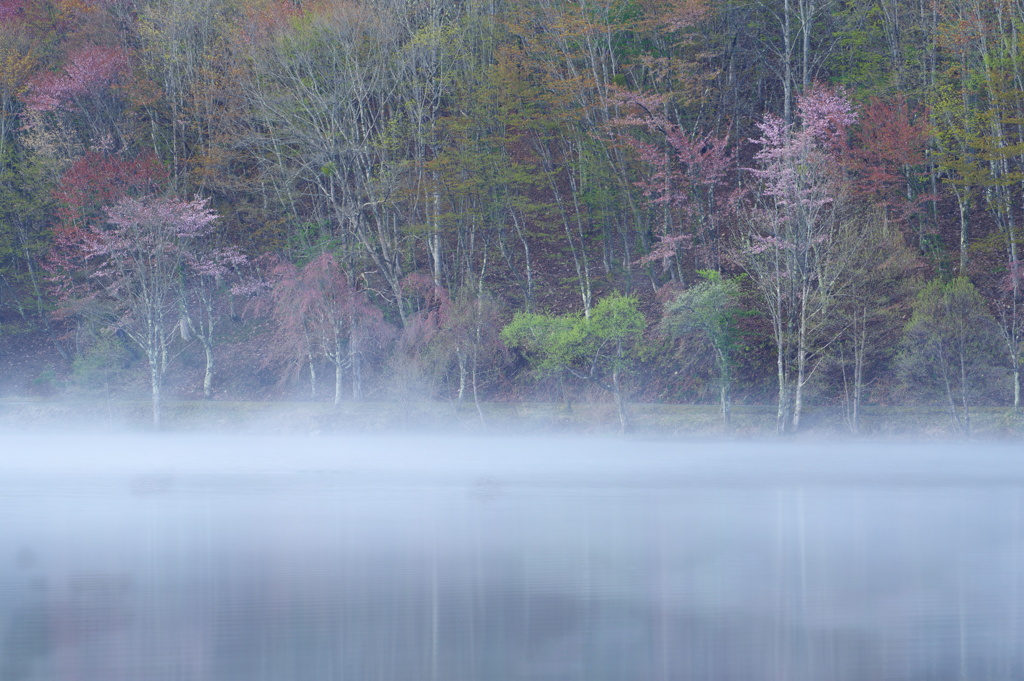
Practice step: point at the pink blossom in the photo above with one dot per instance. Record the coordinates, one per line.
(799, 164)
(88, 70)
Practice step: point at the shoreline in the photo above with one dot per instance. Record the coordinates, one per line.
(499, 418)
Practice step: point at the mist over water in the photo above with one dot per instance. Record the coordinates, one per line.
(237, 558)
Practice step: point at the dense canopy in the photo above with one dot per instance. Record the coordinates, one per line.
(374, 189)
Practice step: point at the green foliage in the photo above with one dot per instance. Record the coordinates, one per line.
(709, 313)
(25, 234)
(607, 341)
(709, 310)
(598, 348)
(483, 141)
(545, 340)
(104, 367)
(951, 348)
(859, 61)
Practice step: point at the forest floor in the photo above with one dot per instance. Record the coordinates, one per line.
(524, 418)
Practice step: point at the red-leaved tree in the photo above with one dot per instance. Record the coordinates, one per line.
(446, 336)
(887, 157)
(99, 179)
(688, 183)
(320, 314)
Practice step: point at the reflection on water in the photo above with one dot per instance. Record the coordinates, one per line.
(232, 559)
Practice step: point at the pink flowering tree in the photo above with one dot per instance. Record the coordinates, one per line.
(319, 314)
(798, 246)
(87, 72)
(134, 268)
(688, 184)
(83, 86)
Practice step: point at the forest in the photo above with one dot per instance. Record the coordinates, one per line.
(793, 203)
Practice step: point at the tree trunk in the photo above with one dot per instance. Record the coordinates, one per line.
(1016, 387)
(964, 399)
(724, 386)
(336, 358)
(435, 236)
(154, 379)
(964, 233)
(801, 369)
(859, 352)
(355, 361)
(620, 403)
(782, 415)
(312, 376)
(787, 66)
(463, 370)
(476, 395)
(337, 381)
(208, 377)
(726, 401)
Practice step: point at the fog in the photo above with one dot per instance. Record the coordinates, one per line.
(236, 558)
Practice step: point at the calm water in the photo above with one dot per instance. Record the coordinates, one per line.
(137, 558)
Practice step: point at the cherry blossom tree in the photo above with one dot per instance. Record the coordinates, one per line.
(797, 251)
(138, 261)
(87, 71)
(79, 105)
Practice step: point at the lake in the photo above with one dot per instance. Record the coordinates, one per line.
(237, 558)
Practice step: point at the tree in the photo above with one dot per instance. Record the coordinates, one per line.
(599, 348)
(951, 346)
(325, 112)
(688, 185)
(448, 333)
(81, 100)
(887, 159)
(420, 357)
(320, 314)
(209, 271)
(708, 313)
(868, 312)
(792, 251)
(472, 336)
(137, 264)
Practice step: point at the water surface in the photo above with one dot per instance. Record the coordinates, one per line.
(222, 558)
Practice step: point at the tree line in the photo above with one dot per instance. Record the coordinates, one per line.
(786, 200)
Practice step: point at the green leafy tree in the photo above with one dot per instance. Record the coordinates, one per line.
(951, 347)
(599, 348)
(708, 313)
